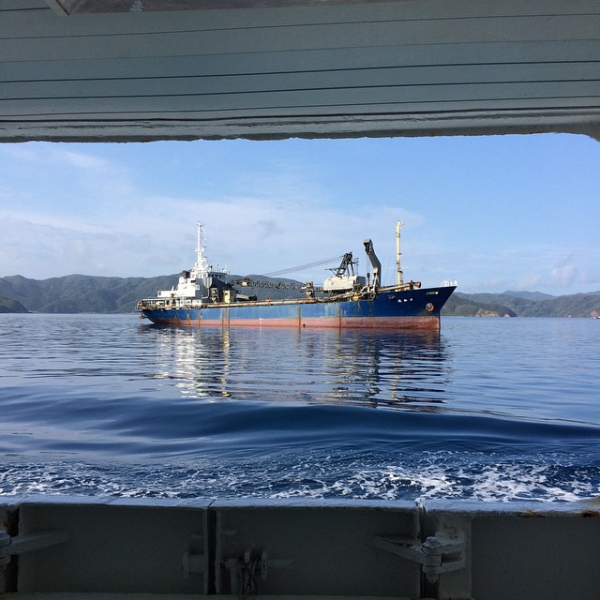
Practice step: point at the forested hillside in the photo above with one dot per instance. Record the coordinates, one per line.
(11, 306)
(83, 293)
(521, 305)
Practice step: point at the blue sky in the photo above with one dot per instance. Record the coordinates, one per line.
(494, 213)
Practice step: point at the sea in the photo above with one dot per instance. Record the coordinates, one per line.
(487, 409)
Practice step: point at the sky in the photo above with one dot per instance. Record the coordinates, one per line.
(492, 213)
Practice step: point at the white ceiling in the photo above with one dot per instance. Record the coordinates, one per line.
(307, 68)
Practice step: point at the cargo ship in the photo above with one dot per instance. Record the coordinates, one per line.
(205, 296)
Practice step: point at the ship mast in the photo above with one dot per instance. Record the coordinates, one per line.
(399, 273)
(201, 262)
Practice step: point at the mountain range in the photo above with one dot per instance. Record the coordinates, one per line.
(90, 294)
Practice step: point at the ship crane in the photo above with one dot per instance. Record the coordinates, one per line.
(346, 266)
(342, 273)
(374, 263)
(344, 278)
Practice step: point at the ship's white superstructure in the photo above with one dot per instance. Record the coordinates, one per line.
(195, 283)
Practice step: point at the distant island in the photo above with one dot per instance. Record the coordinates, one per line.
(523, 304)
(7, 305)
(90, 294)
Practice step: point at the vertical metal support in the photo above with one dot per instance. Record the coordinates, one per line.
(4, 558)
(399, 273)
(4, 544)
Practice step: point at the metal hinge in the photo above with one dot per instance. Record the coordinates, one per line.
(245, 570)
(440, 553)
(9, 546)
(193, 559)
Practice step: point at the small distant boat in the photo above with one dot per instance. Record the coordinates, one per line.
(204, 296)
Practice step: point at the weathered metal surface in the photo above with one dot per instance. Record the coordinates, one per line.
(301, 548)
(322, 69)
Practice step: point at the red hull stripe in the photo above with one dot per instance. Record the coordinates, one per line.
(431, 322)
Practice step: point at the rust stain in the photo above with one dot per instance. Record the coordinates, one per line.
(532, 514)
(587, 514)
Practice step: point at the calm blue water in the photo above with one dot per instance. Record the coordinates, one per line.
(489, 409)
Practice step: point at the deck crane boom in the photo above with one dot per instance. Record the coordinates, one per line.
(374, 263)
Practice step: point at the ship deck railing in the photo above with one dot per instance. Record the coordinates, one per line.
(367, 292)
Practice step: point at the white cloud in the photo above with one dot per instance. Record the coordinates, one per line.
(54, 154)
(531, 282)
(564, 276)
(80, 160)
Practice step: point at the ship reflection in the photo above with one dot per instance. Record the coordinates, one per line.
(399, 369)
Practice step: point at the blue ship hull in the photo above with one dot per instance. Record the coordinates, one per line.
(389, 309)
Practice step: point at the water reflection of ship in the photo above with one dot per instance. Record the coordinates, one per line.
(405, 370)
(390, 370)
(198, 364)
